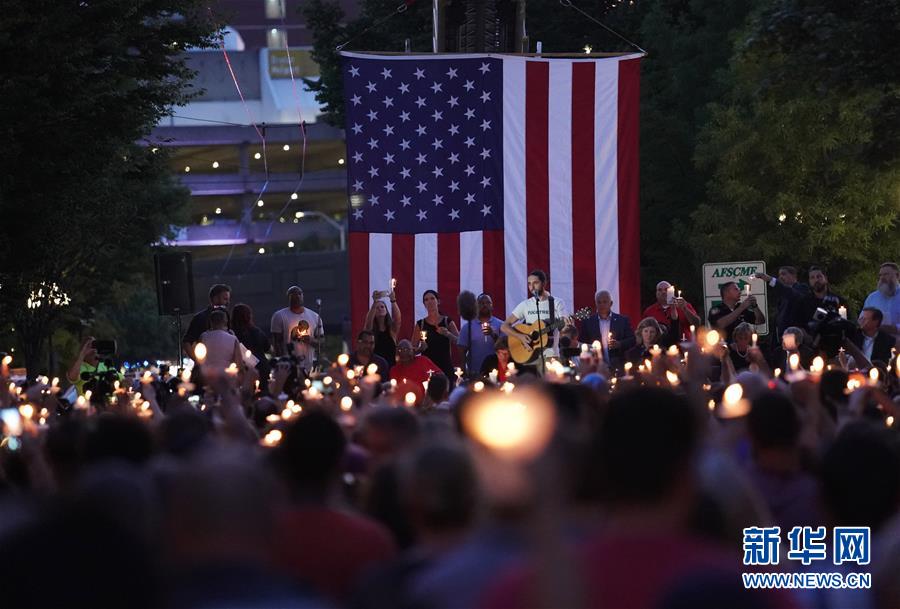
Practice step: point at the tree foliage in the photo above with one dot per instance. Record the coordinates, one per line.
(804, 150)
(80, 201)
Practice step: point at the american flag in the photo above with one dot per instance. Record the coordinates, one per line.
(467, 171)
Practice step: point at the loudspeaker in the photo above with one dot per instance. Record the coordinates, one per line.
(174, 283)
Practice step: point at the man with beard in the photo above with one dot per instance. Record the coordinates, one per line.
(821, 297)
(887, 299)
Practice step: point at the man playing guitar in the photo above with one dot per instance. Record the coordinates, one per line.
(537, 306)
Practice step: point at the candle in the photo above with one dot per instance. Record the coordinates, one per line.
(410, 398)
(485, 327)
(232, 369)
(200, 353)
(794, 361)
(755, 338)
(287, 413)
(371, 369)
(393, 283)
(842, 311)
(628, 367)
(584, 348)
(478, 387)
(873, 377)
(712, 338)
(671, 377)
(670, 294)
(673, 351)
(492, 375)
(346, 403)
(459, 374)
(597, 347)
(510, 369)
(343, 359)
(679, 293)
(818, 364)
(733, 402)
(423, 334)
(655, 350)
(746, 289)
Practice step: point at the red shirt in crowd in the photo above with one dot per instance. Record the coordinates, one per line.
(661, 314)
(329, 549)
(416, 371)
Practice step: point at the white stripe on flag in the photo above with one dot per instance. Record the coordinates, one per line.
(425, 272)
(380, 245)
(514, 213)
(559, 144)
(471, 261)
(606, 201)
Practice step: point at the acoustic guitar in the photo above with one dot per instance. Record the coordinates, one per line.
(539, 333)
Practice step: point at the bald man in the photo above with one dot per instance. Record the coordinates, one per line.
(676, 316)
(614, 331)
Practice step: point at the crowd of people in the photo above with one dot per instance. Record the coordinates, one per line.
(596, 464)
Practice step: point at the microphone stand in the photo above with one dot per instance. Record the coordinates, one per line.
(537, 302)
(319, 335)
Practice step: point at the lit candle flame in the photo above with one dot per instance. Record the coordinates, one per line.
(346, 403)
(818, 364)
(889, 421)
(200, 353)
(371, 369)
(232, 369)
(287, 413)
(26, 410)
(673, 351)
(327, 380)
(410, 398)
(873, 376)
(755, 338)
(712, 338)
(733, 404)
(7, 360)
(351, 374)
(794, 361)
(514, 425)
(671, 377)
(478, 387)
(343, 359)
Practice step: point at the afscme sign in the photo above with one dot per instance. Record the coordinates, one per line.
(717, 274)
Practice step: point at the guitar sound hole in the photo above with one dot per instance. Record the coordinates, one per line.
(534, 336)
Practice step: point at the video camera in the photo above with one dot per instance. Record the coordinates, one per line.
(829, 330)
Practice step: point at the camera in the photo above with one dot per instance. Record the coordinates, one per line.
(829, 330)
(100, 383)
(105, 348)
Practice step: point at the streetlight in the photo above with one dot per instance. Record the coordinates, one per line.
(328, 220)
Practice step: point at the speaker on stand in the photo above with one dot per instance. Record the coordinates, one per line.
(174, 288)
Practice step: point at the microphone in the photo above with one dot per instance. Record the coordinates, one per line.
(536, 293)
(467, 305)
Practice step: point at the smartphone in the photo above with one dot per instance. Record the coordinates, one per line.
(104, 347)
(12, 421)
(319, 385)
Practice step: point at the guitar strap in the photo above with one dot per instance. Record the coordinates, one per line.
(552, 306)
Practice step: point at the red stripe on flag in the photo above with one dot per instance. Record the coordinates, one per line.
(448, 273)
(358, 252)
(628, 167)
(403, 264)
(537, 188)
(494, 270)
(583, 249)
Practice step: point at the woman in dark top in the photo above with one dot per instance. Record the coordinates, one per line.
(385, 326)
(435, 333)
(253, 339)
(648, 333)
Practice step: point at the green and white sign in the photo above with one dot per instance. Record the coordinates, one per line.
(716, 274)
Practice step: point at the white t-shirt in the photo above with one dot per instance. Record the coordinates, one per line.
(219, 348)
(526, 311)
(288, 324)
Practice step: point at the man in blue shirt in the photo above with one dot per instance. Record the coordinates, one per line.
(480, 333)
(887, 299)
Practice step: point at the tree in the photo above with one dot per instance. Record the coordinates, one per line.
(689, 43)
(80, 201)
(803, 153)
